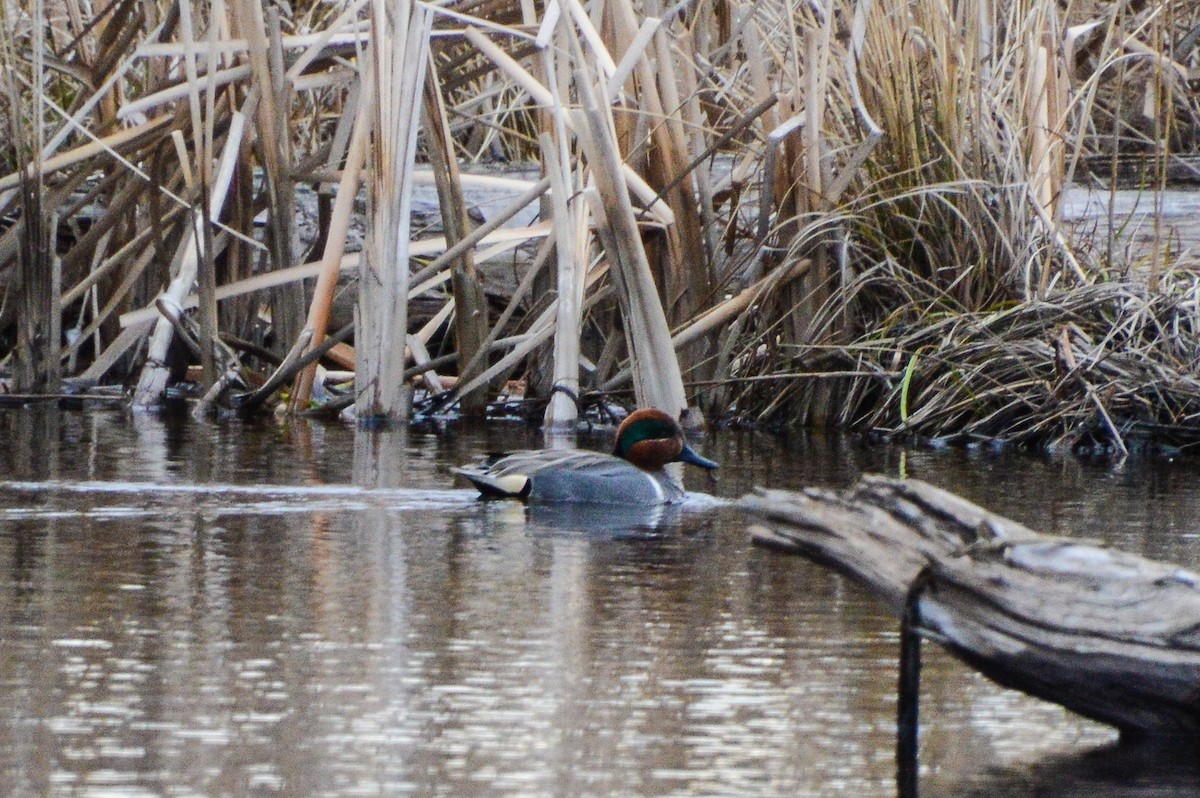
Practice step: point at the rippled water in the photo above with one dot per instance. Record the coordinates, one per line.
(316, 610)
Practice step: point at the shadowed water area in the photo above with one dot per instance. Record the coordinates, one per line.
(233, 609)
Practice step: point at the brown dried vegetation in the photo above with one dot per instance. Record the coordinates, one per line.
(843, 213)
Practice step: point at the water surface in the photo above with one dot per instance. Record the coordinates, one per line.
(253, 609)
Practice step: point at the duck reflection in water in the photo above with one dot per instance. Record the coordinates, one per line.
(605, 520)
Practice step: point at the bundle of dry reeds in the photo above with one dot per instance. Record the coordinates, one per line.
(731, 194)
(1085, 370)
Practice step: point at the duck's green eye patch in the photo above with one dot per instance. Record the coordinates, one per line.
(651, 429)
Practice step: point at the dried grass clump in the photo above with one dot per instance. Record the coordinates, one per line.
(1087, 369)
(963, 193)
(1091, 367)
(948, 274)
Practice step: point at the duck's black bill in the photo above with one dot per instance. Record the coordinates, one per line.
(687, 455)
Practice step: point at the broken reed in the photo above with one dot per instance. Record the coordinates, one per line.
(882, 164)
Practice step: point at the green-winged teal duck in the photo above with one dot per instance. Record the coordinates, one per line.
(633, 474)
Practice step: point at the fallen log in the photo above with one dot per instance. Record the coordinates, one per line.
(1109, 635)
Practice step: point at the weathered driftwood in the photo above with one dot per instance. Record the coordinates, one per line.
(1112, 636)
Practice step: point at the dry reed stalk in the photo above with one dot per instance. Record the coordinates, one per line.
(335, 242)
(471, 314)
(685, 253)
(36, 364)
(90, 302)
(420, 357)
(400, 38)
(218, 79)
(102, 96)
(536, 90)
(122, 205)
(679, 264)
(498, 242)
(240, 260)
(519, 295)
(562, 409)
(121, 141)
(206, 274)
(522, 345)
(317, 43)
(266, 61)
(117, 348)
(634, 52)
(656, 376)
(133, 274)
(1031, 373)
(723, 314)
(425, 334)
(485, 230)
(570, 234)
(155, 374)
(700, 143)
(540, 330)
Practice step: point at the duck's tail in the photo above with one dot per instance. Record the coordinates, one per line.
(497, 486)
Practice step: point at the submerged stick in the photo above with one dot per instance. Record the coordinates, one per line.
(908, 698)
